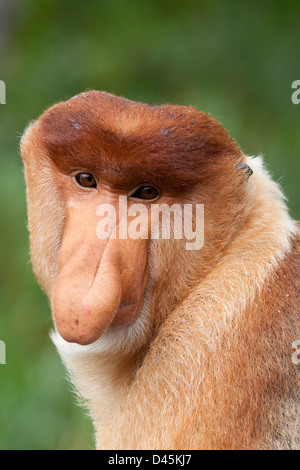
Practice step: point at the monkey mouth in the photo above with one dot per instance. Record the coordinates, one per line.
(87, 324)
(127, 314)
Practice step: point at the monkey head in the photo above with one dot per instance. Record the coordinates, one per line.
(87, 152)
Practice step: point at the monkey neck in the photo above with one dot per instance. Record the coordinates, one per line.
(102, 379)
(241, 269)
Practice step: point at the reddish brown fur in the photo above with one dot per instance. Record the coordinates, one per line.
(259, 361)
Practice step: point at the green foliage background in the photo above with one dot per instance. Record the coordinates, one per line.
(235, 60)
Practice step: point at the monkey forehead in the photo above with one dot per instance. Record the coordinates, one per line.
(126, 139)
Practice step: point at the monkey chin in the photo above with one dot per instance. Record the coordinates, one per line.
(127, 314)
(87, 327)
(81, 332)
(121, 337)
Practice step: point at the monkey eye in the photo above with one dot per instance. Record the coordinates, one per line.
(86, 180)
(147, 193)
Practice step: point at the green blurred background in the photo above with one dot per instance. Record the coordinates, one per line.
(235, 60)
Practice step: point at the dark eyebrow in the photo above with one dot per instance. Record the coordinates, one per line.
(172, 146)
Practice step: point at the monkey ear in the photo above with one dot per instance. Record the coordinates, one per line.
(246, 168)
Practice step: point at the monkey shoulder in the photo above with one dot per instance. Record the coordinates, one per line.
(283, 292)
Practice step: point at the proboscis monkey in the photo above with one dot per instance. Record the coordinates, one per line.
(170, 348)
